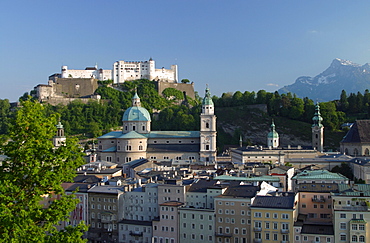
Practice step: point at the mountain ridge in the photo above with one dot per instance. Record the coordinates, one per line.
(326, 86)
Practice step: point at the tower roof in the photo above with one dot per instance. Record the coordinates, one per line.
(273, 133)
(136, 112)
(317, 119)
(207, 100)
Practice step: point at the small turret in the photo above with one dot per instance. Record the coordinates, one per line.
(273, 137)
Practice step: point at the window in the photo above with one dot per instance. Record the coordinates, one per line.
(285, 216)
(275, 215)
(342, 215)
(267, 225)
(275, 225)
(354, 238)
(304, 205)
(361, 227)
(343, 226)
(257, 215)
(354, 226)
(343, 237)
(267, 215)
(361, 238)
(267, 236)
(305, 238)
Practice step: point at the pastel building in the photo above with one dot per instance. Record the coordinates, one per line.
(351, 213)
(196, 225)
(166, 229)
(233, 218)
(273, 217)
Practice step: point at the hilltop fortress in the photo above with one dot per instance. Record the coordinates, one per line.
(123, 71)
(72, 84)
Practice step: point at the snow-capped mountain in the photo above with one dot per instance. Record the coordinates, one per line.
(328, 85)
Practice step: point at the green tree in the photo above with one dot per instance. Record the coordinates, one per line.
(33, 169)
(185, 81)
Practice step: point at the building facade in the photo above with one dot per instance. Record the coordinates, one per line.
(138, 141)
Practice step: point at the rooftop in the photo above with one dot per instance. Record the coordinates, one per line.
(283, 201)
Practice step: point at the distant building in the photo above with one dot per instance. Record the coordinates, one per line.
(122, 71)
(133, 70)
(357, 140)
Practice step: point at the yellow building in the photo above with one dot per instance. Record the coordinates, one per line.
(273, 217)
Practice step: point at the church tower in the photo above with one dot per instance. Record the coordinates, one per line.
(317, 130)
(272, 137)
(59, 139)
(208, 131)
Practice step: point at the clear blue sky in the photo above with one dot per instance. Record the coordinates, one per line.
(230, 45)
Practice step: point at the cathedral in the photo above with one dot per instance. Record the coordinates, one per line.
(138, 141)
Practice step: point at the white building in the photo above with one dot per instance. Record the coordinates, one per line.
(123, 71)
(133, 70)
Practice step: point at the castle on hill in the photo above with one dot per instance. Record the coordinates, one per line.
(121, 72)
(72, 84)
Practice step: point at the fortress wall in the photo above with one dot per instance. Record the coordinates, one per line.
(75, 87)
(188, 88)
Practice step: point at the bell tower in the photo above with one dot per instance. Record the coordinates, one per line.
(317, 130)
(59, 139)
(208, 149)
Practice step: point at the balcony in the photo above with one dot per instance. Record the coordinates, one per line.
(257, 229)
(257, 240)
(284, 231)
(318, 200)
(351, 208)
(136, 233)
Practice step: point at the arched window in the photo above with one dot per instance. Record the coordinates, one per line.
(367, 152)
(355, 152)
(354, 238)
(346, 151)
(207, 125)
(361, 238)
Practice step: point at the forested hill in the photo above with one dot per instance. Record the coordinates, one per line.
(247, 114)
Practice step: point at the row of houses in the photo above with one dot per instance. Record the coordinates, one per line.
(220, 204)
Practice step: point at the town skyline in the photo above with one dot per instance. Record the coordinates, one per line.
(250, 45)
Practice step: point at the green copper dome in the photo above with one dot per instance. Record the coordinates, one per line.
(317, 119)
(273, 133)
(207, 100)
(136, 113)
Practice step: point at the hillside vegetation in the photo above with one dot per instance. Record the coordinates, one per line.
(247, 115)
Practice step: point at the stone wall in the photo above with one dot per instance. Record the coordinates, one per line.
(187, 88)
(75, 87)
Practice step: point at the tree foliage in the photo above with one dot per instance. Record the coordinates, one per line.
(32, 172)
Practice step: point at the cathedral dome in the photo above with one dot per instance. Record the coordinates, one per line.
(136, 113)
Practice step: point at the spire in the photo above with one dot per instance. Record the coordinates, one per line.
(317, 119)
(207, 100)
(136, 99)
